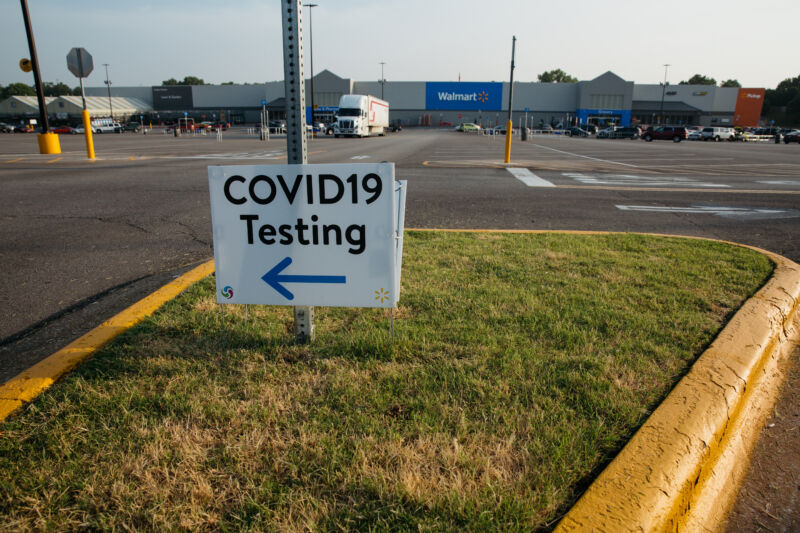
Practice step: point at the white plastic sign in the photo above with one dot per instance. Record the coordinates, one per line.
(307, 235)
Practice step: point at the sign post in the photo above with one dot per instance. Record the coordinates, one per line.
(296, 143)
(80, 63)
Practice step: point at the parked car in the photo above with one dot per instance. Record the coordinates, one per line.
(277, 126)
(696, 135)
(605, 133)
(25, 128)
(715, 133)
(792, 137)
(116, 127)
(577, 132)
(591, 129)
(468, 126)
(60, 129)
(625, 132)
(673, 133)
(78, 129)
(132, 126)
(6, 128)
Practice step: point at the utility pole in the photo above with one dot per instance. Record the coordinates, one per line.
(296, 142)
(663, 91)
(509, 124)
(37, 78)
(108, 84)
(383, 80)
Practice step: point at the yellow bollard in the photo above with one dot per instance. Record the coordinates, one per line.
(87, 129)
(509, 125)
(48, 143)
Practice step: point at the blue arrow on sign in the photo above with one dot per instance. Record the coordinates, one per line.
(274, 278)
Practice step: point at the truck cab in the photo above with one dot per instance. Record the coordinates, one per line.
(361, 116)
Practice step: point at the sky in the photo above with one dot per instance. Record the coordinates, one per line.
(148, 41)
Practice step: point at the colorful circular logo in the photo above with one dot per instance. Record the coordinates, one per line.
(227, 292)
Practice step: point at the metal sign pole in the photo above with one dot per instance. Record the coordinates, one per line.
(296, 143)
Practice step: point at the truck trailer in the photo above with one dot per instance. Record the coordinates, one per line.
(361, 115)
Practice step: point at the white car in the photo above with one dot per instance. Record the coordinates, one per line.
(718, 134)
(696, 135)
(116, 127)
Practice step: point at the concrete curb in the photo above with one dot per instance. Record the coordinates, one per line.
(28, 384)
(682, 470)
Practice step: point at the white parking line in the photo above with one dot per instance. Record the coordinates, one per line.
(727, 212)
(529, 178)
(629, 180)
(587, 157)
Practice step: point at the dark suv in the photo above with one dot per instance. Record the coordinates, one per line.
(674, 133)
(625, 133)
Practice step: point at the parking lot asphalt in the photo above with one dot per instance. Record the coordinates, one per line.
(77, 234)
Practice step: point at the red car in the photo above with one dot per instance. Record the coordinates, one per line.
(669, 133)
(61, 129)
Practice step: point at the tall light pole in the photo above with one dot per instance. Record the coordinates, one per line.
(663, 91)
(108, 84)
(383, 80)
(311, 57)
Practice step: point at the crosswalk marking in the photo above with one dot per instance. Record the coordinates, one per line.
(529, 178)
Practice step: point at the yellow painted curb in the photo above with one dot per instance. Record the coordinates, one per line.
(681, 471)
(28, 384)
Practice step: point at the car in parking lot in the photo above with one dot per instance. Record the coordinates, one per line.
(115, 127)
(24, 128)
(717, 134)
(792, 137)
(695, 135)
(61, 129)
(670, 133)
(625, 132)
(468, 126)
(605, 133)
(6, 128)
(575, 131)
(135, 127)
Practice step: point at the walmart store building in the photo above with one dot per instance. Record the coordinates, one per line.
(605, 99)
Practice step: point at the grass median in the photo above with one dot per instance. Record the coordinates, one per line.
(521, 364)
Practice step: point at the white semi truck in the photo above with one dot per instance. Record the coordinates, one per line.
(361, 115)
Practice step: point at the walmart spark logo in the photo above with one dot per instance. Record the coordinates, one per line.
(227, 292)
(483, 96)
(382, 295)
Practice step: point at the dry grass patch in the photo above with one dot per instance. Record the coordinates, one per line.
(522, 364)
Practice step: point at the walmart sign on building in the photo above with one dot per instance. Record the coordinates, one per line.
(463, 96)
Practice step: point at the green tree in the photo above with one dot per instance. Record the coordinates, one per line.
(787, 91)
(227, 83)
(699, 79)
(730, 83)
(192, 80)
(56, 89)
(18, 89)
(171, 81)
(557, 76)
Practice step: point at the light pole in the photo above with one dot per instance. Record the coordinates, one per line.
(383, 80)
(311, 57)
(108, 84)
(663, 91)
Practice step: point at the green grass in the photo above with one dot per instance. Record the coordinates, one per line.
(521, 365)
